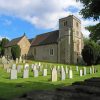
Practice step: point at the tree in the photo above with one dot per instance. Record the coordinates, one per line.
(95, 32)
(91, 53)
(15, 51)
(91, 9)
(2, 45)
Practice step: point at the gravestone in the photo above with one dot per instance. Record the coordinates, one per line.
(45, 72)
(77, 68)
(81, 72)
(24, 61)
(26, 73)
(8, 70)
(35, 67)
(19, 68)
(16, 60)
(20, 59)
(26, 66)
(70, 73)
(14, 66)
(35, 73)
(63, 75)
(84, 70)
(13, 74)
(54, 75)
(93, 69)
(66, 70)
(90, 70)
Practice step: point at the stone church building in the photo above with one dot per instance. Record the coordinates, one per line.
(23, 43)
(62, 46)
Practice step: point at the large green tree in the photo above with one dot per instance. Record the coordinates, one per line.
(91, 9)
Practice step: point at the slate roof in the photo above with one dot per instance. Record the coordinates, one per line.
(46, 38)
(13, 41)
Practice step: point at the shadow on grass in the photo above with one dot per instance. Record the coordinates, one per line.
(8, 91)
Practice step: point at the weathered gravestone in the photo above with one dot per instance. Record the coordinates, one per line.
(8, 70)
(81, 72)
(84, 70)
(70, 73)
(66, 70)
(19, 67)
(13, 74)
(14, 66)
(90, 70)
(26, 73)
(45, 72)
(63, 75)
(35, 73)
(20, 59)
(16, 60)
(77, 68)
(26, 66)
(54, 75)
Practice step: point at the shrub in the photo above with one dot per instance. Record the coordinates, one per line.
(15, 51)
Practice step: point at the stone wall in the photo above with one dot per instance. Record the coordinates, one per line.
(42, 53)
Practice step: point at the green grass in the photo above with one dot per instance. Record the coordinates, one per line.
(9, 88)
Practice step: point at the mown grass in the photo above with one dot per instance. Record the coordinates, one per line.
(9, 89)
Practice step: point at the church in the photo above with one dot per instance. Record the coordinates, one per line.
(60, 46)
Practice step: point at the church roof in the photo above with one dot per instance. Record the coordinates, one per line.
(46, 38)
(14, 41)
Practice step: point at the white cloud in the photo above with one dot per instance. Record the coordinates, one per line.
(40, 13)
(1, 37)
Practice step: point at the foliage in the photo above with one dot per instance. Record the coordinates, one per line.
(91, 9)
(95, 32)
(15, 51)
(91, 53)
(2, 45)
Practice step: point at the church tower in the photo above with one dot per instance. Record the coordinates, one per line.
(70, 42)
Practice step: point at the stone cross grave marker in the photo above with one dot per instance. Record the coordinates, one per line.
(13, 74)
(54, 75)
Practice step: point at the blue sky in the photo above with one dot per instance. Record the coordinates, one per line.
(36, 16)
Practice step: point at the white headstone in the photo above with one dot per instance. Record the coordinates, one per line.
(26, 73)
(54, 74)
(81, 72)
(14, 66)
(16, 60)
(90, 70)
(45, 72)
(77, 68)
(26, 66)
(35, 73)
(63, 75)
(66, 70)
(13, 74)
(20, 59)
(84, 70)
(70, 74)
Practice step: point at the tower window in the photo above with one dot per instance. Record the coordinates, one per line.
(65, 23)
(51, 52)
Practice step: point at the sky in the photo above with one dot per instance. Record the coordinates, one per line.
(34, 17)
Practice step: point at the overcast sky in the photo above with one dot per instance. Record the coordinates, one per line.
(36, 16)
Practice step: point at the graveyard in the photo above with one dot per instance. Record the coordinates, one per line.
(32, 75)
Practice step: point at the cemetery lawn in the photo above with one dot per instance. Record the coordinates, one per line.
(10, 89)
